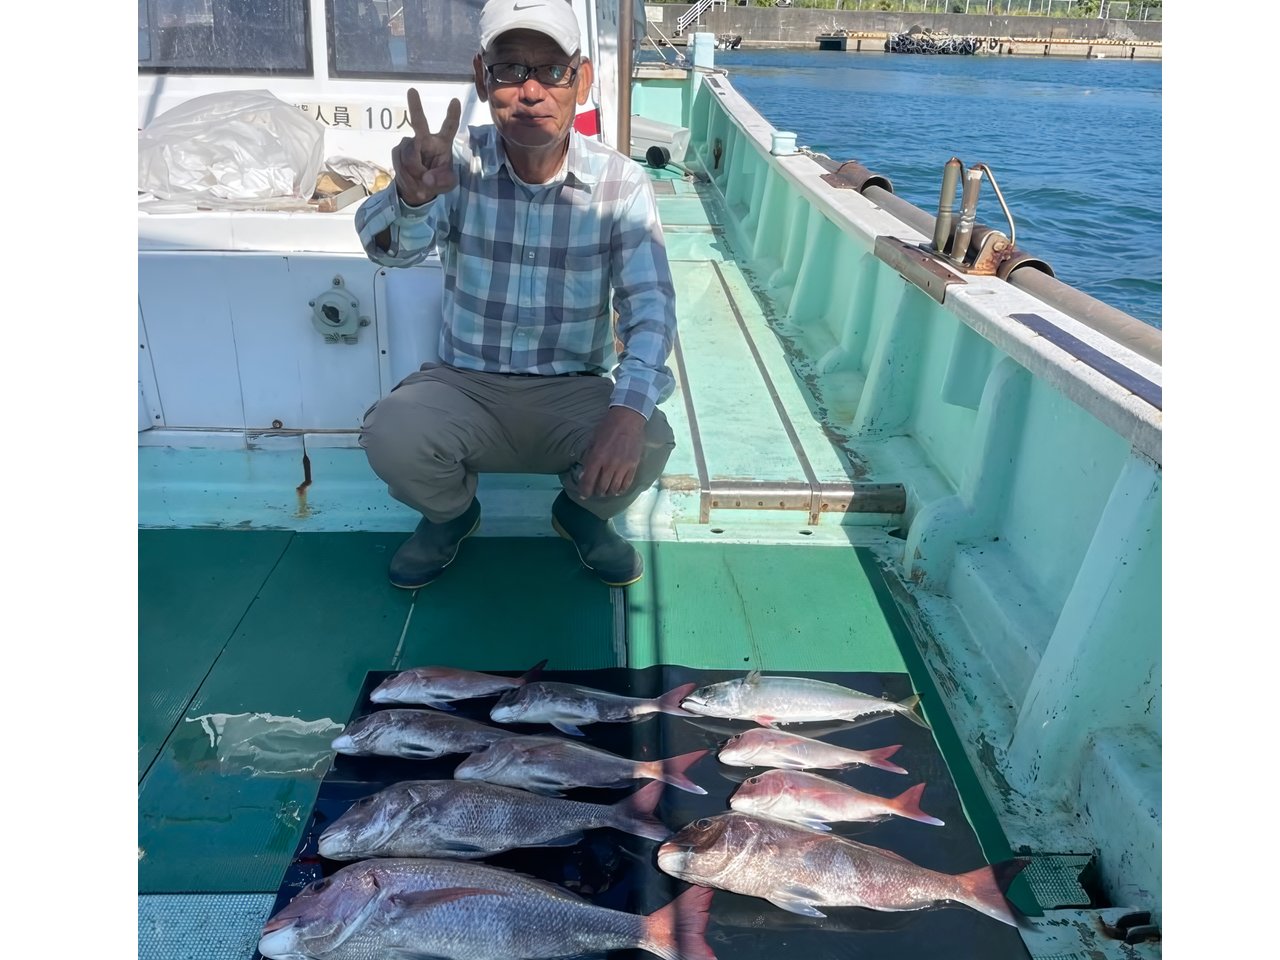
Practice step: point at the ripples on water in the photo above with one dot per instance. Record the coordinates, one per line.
(1074, 144)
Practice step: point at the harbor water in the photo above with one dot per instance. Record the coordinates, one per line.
(1075, 145)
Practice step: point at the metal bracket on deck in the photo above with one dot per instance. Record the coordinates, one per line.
(335, 314)
(852, 175)
(918, 265)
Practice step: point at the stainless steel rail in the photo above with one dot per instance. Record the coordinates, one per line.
(626, 68)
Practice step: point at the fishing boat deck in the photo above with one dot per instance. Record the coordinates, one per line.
(256, 635)
(267, 628)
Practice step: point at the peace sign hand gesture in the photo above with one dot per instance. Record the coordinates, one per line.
(424, 162)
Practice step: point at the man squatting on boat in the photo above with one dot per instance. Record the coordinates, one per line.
(535, 223)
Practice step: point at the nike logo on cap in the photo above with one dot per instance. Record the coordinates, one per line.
(526, 6)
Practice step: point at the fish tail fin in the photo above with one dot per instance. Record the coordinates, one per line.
(672, 770)
(985, 887)
(678, 931)
(634, 814)
(880, 758)
(907, 804)
(669, 702)
(533, 673)
(907, 708)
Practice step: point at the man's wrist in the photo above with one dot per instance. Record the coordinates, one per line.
(407, 211)
(620, 411)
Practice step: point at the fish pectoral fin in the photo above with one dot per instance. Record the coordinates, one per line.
(813, 824)
(568, 840)
(796, 900)
(419, 751)
(405, 953)
(440, 705)
(401, 903)
(564, 726)
(544, 786)
(457, 847)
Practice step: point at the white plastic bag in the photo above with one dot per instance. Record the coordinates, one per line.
(240, 148)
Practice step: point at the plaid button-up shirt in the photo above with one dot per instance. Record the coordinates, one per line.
(528, 269)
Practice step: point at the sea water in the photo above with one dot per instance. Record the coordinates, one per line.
(1074, 144)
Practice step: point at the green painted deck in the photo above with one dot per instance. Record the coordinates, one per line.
(265, 624)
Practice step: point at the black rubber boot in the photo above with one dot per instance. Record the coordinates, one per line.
(423, 557)
(599, 547)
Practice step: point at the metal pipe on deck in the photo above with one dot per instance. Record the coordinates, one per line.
(968, 214)
(626, 58)
(946, 204)
(1142, 338)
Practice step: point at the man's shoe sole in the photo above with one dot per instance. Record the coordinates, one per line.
(436, 575)
(608, 583)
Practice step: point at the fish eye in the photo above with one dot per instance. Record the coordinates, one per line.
(703, 823)
(753, 780)
(320, 885)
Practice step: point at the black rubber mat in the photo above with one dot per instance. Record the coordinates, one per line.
(620, 871)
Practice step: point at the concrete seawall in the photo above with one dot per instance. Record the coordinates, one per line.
(867, 30)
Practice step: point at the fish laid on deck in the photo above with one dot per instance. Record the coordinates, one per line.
(763, 747)
(468, 819)
(800, 869)
(438, 686)
(411, 908)
(565, 705)
(415, 734)
(815, 801)
(551, 765)
(773, 700)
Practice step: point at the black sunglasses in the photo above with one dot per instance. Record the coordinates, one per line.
(547, 74)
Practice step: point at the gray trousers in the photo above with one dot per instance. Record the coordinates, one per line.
(441, 427)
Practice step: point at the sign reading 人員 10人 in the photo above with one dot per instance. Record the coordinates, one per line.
(359, 116)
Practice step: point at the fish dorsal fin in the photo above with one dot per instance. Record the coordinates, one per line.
(752, 677)
(533, 673)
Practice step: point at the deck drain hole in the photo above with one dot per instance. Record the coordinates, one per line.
(717, 529)
(806, 533)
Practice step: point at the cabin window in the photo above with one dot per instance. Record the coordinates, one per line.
(423, 39)
(224, 36)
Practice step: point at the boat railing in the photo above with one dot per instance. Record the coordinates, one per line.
(680, 59)
(694, 13)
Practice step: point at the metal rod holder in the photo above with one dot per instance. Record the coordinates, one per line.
(968, 213)
(946, 204)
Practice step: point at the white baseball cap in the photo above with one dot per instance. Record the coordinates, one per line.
(554, 18)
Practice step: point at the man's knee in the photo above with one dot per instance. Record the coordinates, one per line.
(658, 435)
(402, 434)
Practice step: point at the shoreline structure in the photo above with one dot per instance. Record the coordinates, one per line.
(866, 31)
